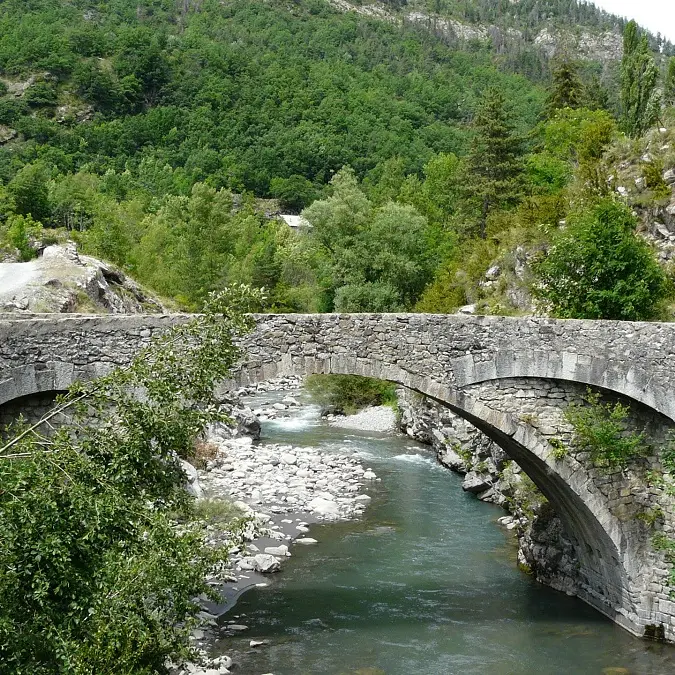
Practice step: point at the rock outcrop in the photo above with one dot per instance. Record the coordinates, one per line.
(61, 280)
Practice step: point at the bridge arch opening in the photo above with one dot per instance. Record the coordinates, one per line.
(610, 572)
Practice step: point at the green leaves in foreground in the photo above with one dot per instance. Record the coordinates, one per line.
(100, 552)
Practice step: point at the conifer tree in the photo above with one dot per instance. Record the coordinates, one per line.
(566, 90)
(493, 164)
(669, 85)
(595, 94)
(639, 97)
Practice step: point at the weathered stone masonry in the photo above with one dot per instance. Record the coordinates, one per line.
(488, 370)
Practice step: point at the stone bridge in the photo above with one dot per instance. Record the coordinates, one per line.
(511, 378)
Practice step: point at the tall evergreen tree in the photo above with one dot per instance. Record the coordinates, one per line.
(566, 89)
(595, 94)
(639, 74)
(669, 85)
(494, 161)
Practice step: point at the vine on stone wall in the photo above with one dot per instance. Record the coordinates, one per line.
(602, 430)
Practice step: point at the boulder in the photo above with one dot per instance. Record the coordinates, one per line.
(61, 280)
(449, 457)
(192, 483)
(476, 482)
(247, 423)
(266, 563)
(323, 507)
(493, 273)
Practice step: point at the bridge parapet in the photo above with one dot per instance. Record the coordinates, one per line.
(489, 370)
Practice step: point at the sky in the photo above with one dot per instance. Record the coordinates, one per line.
(656, 15)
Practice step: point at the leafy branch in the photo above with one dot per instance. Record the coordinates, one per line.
(101, 549)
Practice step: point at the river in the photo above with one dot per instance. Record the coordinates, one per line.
(425, 583)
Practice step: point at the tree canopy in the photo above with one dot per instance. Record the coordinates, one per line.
(598, 268)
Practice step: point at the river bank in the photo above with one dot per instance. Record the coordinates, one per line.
(283, 489)
(383, 581)
(544, 550)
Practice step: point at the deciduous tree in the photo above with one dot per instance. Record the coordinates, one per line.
(640, 101)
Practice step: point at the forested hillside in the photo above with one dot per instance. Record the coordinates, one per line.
(150, 130)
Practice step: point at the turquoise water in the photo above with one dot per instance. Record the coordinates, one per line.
(425, 583)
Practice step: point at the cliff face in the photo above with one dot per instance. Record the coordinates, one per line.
(61, 280)
(601, 43)
(642, 173)
(543, 547)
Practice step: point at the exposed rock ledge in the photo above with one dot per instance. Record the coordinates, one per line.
(61, 280)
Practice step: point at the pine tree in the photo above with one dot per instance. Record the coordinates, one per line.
(566, 90)
(493, 164)
(639, 97)
(669, 85)
(595, 95)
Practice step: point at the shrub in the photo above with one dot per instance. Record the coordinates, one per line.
(598, 268)
(349, 393)
(101, 551)
(602, 430)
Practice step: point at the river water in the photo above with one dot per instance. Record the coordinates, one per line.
(425, 583)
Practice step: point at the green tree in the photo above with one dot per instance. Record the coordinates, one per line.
(375, 258)
(669, 83)
(186, 246)
(599, 268)
(494, 168)
(639, 76)
(595, 94)
(101, 553)
(566, 90)
(294, 192)
(29, 190)
(17, 233)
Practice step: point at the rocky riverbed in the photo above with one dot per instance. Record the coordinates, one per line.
(379, 418)
(280, 488)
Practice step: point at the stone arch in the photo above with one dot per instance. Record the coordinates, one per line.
(624, 377)
(30, 390)
(609, 566)
(51, 376)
